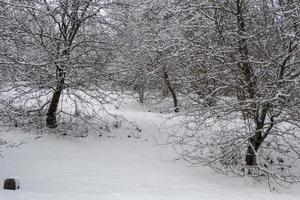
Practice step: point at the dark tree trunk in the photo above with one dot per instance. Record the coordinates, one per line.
(172, 91)
(51, 114)
(254, 145)
(248, 90)
(140, 90)
(141, 97)
(257, 139)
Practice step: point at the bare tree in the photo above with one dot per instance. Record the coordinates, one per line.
(152, 40)
(249, 54)
(64, 46)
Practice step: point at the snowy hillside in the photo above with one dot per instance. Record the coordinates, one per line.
(119, 166)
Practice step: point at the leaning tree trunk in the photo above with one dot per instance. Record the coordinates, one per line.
(259, 136)
(172, 91)
(51, 114)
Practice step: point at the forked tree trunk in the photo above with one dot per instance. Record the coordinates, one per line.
(172, 91)
(257, 139)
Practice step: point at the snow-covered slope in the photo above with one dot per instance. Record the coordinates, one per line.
(117, 168)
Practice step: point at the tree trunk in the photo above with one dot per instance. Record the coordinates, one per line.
(51, 114)
(172, 91)
(254, 145)
(248, 90)
(257, 139)
(139, 88)
(141, 96)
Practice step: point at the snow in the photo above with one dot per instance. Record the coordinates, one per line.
(116, 167)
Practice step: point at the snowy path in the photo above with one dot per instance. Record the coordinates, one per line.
(118, 168)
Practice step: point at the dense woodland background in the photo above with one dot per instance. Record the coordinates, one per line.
(230, 66)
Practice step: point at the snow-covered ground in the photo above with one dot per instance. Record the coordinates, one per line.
(117, 167)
